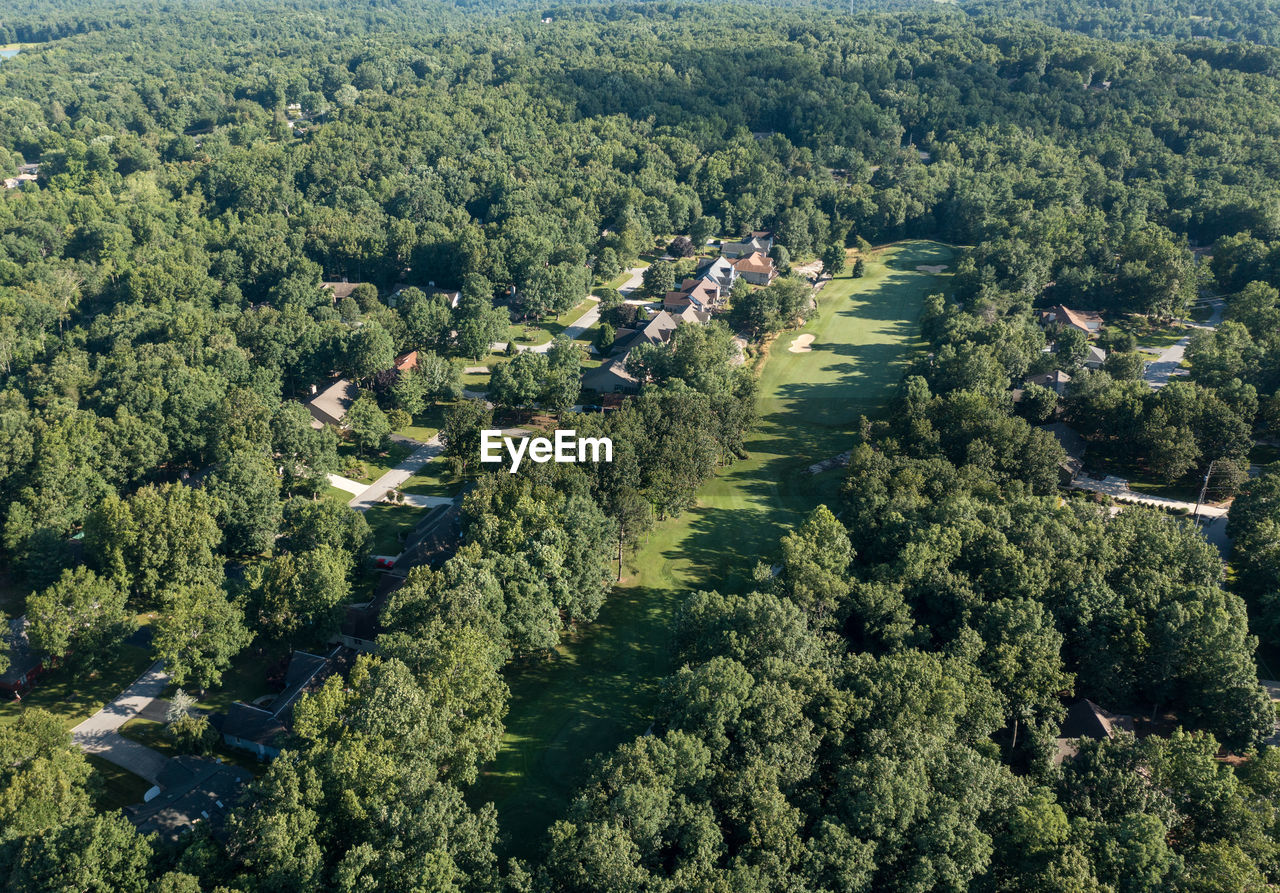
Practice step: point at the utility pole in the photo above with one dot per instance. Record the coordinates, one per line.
(1203, 490)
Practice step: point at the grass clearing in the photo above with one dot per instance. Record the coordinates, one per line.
(74, 695)
(536, 333)
(435, 479)
(599, 689)
(389, 523)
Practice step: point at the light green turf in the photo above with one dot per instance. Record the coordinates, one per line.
(600, 688)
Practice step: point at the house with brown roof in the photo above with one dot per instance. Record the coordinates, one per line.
(700, 294)
(1055, 381)
(407, 361)
(1085, 320)
(329, 407)
(756, 268)
(340, 290)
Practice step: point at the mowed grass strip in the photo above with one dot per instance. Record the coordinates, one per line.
(601, 685)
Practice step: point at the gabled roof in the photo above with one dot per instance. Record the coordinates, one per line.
(755, 262)
(658, 330)
(261, 724)
(1084, 320)
(691, 314)
(335, 400)
(340, 289)
(1052, 379)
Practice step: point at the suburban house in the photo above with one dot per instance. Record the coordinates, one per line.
(189, 790)
(1086, 719)
(407, 361)
(613, 377)
(1095, 357)
(760, 242)
(432, 542)
(1085, 320)
(700, 294)
(1055, 381)
(262, 730)
(340, 290)
(329, 407)
(453, 297)
(25, 664)
(721, 272)
(756, 268)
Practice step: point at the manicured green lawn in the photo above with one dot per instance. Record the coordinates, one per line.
(73, 695)
(426, 424)
(534, 333)
(600, 688)
(388, 522)
(435, 479)
(116, 787)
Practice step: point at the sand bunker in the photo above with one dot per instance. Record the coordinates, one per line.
(931, 268)
(801, 344)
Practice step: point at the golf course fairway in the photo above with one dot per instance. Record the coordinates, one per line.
(600, 686)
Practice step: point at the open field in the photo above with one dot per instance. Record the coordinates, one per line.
(600, 688)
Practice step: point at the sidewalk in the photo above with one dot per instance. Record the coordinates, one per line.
(100, 733)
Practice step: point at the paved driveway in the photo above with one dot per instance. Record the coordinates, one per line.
(1168, 363)
(100, 735)
(398, 475)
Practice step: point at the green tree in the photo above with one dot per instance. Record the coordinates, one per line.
(833, 260)
(296, 596)
(161, 537)
(246, 490)
(82, 616)
(368, 423)
(198, 633)
(461, 433)
(1023, 659)
(815, 564)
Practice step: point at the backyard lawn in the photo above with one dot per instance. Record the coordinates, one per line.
(426, 424)
(600, 688)
(435, 479)
(534, 333)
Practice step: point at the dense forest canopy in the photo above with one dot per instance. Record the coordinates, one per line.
(880, 709)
